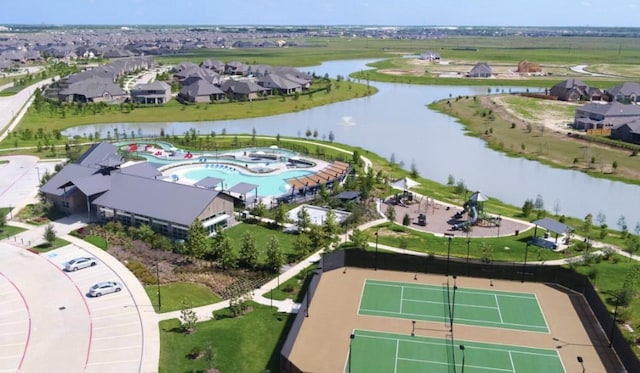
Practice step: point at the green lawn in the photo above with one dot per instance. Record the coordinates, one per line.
(97, 241)
(262, 236)
(250, 343)
(8, 231)
(172, 295)
(294, 288)
(503, 248)
(174, 111)
(45, 247)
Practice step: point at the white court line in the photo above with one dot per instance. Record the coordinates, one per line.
(442, 303)
(513, 367)
(471, 321)
(498, 307)
(448, 363)
(542, 312)
(460, 290)
(401, 297)
(555, 353)
(395, 367)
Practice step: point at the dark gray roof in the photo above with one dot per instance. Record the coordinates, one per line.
(93, 88)
(164, 200)
(243, 188)
(69, 173)
(94, 184)
(348, 195)
(209, 182)
(111, 161)
(200, 88)
(241, 86)
(142, 169)
(156, 85)
(553, 225)
(481, 68)
(571, 83)
(279, 81)
(625, 89)
(96, 153)
(611, 109)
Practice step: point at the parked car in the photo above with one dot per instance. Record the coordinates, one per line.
(104, 287)
(79, 263)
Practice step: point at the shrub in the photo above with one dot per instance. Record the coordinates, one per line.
(141, 272)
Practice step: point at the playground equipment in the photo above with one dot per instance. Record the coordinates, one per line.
(474, 206)
(422, 220)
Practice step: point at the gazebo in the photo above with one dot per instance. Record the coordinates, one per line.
(550, 225)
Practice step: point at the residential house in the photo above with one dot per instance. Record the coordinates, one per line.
(201, 91)
(215, 65)
(575, 90)
(480, 70)
(629, 132)
(244, 90)
(99, 186)
(526, 67)
(236, 68)
(429, 56)
(626, 92)
(280, 84)
(92, 90)
(154, 93)
(190, 74)
(604, 116)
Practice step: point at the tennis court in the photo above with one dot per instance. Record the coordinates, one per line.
(495, 309)
(385, 352)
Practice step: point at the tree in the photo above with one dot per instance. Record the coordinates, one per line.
(50, 234)
(3, 221)
(601, 218)
(331, 227)
(332, 137)
(460, 187)
(249, 254)
(304, 220)
(275, 255)
(622, 224)
(226, 254)
(188, 318)
(588, 223)
(406, 220)
(279, 215)
(302, 245)
(391, 212)
(451, 180)
(414, 169)
(197, 243)
(317, 237)
(359, 239)
(614, 165)
(631, 246)
(308, 133)
(539, 204)
(324, 194)
(259, 209)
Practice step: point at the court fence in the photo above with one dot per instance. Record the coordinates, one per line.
(428, 264)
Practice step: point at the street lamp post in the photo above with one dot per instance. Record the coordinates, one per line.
(468, 248)
(462, 349)
(581, 361)
(524, 265)
(613, 324)
(375, 266)
(158, 287)
(499, 224)
(350, 342)
(450, 236)
(453, 302)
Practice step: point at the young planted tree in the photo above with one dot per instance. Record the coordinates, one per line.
(391, 213)
(275, 255)
(304, 220)
(197, 244)
(226, 254)
(302, 245)
(50, 234)
(359, 239)
(249, 254)
(188, 318)
(331, 228)
(279, 215)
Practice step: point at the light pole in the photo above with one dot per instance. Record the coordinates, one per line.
(613, 324)
(581, 361)
(462, 349)
(524, 265)
(468, 248)
(499, 224)
(350, 342)
(450, 236)
(453, 302)
(375, 265)
(158, 287)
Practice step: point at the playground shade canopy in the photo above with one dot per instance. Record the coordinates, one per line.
(478, 197)
(553, 225)
(243, 188)
(209, 182)
(405, 183)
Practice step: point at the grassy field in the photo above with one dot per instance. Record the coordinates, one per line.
(97, 241)
(47, 121)
(262, 235)
(45, 247)
(172, 295)
(8, 231)
(250, 343)
(482, 117)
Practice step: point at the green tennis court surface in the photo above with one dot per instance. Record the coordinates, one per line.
(496, 309)
(386, 352)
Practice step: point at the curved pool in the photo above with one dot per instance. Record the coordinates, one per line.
(268, 184)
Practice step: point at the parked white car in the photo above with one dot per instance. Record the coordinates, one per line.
(104, 287)
(79, 263)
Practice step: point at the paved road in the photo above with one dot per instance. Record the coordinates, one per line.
(12, 108)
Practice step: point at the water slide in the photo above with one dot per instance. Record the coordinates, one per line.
(473, 215)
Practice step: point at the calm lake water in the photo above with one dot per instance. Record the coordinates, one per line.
(396, 121)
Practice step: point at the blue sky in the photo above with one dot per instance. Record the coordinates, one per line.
(624, 13)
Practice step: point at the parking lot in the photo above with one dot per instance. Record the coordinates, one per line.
(48, 323)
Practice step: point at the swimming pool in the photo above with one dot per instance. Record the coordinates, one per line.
(268, 185)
